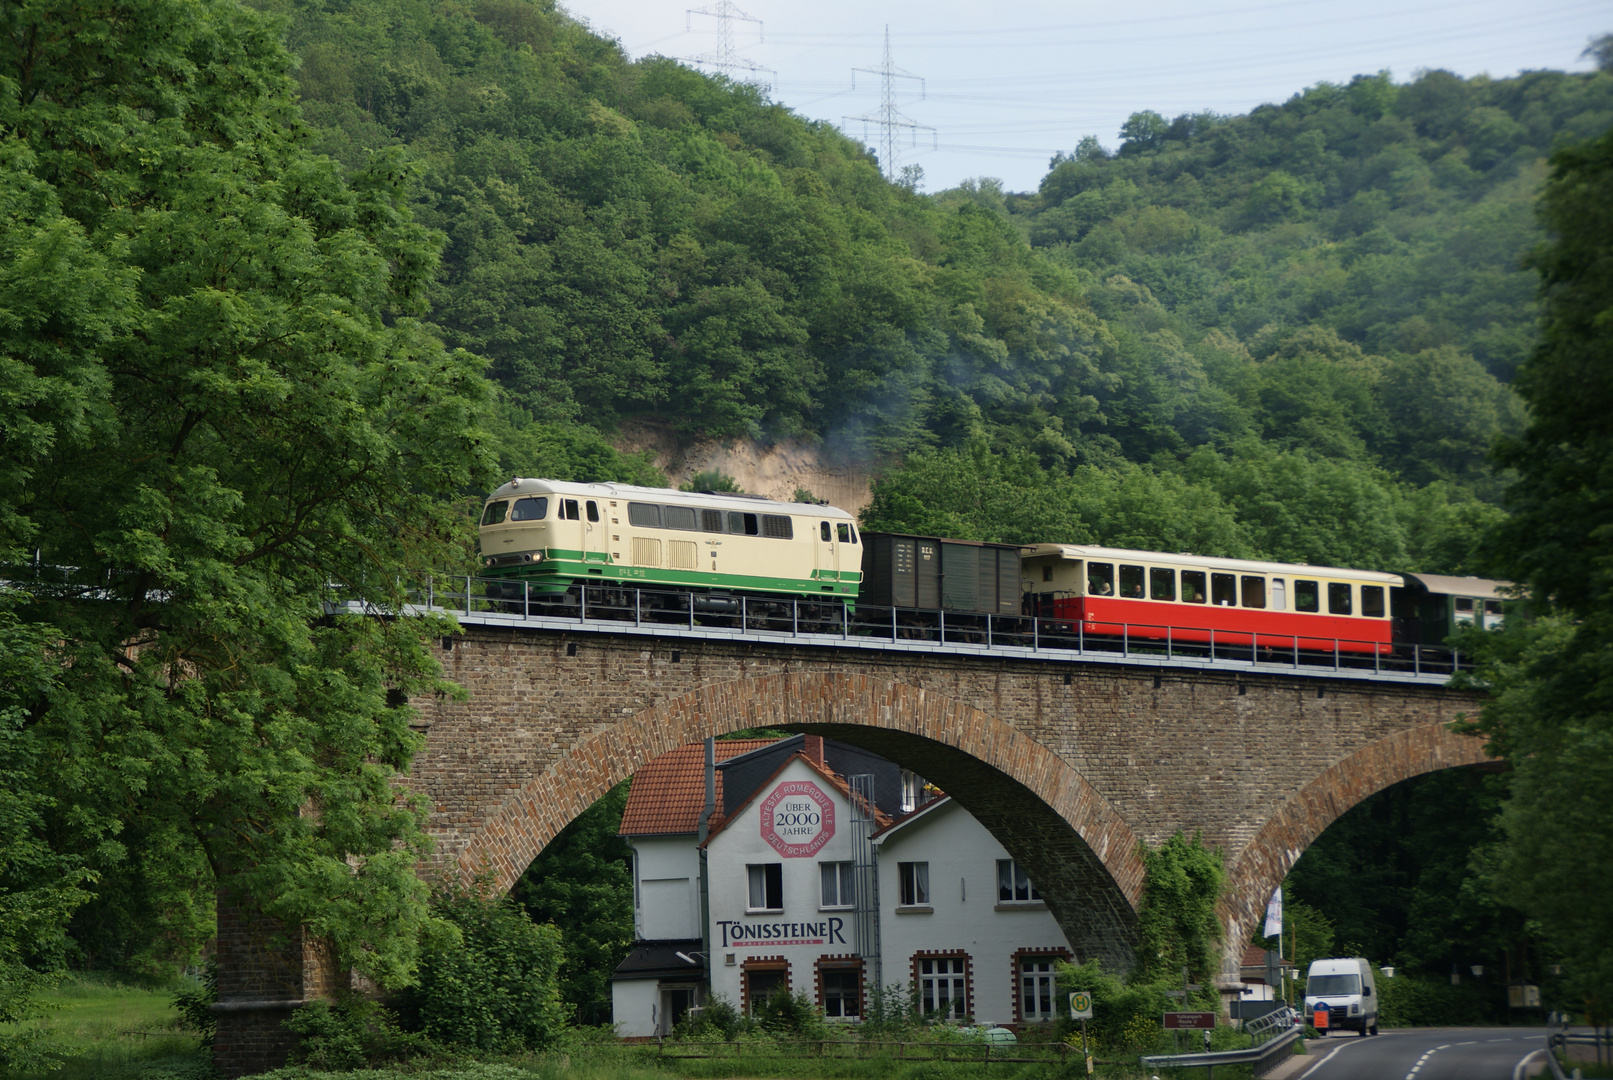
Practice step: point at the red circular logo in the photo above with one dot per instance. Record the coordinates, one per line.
(798, 819)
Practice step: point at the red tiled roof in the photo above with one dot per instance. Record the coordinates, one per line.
(668, 794)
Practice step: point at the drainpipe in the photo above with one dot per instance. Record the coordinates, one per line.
(704, 832)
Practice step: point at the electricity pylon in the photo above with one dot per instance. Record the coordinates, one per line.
(723, 57)
(889, 118)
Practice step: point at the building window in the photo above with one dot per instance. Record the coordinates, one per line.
(1012, 884)
(912, 791)
(1036, 986)
(943, 985)
(762, 984)
(766, 887)
(915, 883)
(838, 888)
(841, 992)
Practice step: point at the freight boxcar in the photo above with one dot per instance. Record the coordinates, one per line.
(927, 573)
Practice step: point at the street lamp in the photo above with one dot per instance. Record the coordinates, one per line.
(1478, 971)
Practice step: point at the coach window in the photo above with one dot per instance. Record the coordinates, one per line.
(494, 514)
(569, 511)
(1372, 601)
(1279, 595)
(823, 531)
(1224, 590)
(1307, 597)
(1100, 579)
(1193, 586)
(766, 881)
(1338, 598)
(1131, 582)
(679, 517)
(711, 521)
(843, 533)
(1254, 591)
(644, 515)
(742, 524)
(1161, 583)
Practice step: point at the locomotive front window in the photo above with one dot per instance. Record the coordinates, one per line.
(494, 514)
(742, 524)
(711, 521)
(1131, 582)
(1193, 586)
(644, 515)
(843, 532)
(1254, 591)
(1307, 597)
(1100, 579)
(1338, 598)
(1161, 583)
(529, 509)
(1372, 601)
(1224, 590)
(679, 517)
(779, 526)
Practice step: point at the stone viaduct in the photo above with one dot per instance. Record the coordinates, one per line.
(1071, 765)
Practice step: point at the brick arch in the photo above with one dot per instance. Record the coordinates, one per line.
(1263, 863)
(1076, 846)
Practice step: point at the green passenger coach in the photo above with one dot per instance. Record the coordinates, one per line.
(543, 540)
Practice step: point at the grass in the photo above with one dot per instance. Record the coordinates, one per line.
(109, 1030)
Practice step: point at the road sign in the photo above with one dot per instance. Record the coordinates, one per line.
(1189, 1020)
(1080, 1005)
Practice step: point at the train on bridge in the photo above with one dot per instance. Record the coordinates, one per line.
(719, 555)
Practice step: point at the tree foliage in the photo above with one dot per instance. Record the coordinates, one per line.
(1177, 925)
(219, 401)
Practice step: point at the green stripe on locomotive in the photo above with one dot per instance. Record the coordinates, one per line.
(560, 569)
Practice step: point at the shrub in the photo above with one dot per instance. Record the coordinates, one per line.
(194, 1000)
(494, 985)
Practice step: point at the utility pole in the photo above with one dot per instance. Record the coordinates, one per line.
(724, 58)
(889, 118)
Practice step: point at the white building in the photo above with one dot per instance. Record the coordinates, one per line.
(806, 887)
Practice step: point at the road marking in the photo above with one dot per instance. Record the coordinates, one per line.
(1424, 1060)
(1518, 1070)
(1324, 1061)
(1470, 1042)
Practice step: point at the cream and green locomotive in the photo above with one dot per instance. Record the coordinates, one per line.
(545, 541)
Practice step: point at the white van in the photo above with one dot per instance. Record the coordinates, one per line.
(1345, 988)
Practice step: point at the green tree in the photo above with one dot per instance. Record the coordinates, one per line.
(1551, 713)
(235, 409)
(1177, 925)
(582, 883)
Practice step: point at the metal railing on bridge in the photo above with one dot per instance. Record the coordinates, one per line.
(829, 622)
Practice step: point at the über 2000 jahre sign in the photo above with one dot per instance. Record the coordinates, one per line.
(798, 818)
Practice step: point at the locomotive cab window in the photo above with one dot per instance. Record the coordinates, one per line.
(644, 515)
(1193, 590)
(494, 514)
(1100, 579)
(569, 511)
(1224, 590)
(823, 531)
(1254, 591)
(1161, 583)
(1338, 598)
(1372, 601)
(529, 509)
(843, 533)
(742, 524)
(1131, 582)
(1307, 597)
(679, 517)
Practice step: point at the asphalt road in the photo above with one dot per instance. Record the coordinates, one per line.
(1428, 1054)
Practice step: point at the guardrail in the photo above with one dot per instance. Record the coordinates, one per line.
(833, 622)
(1562, 1040)
(1280, 1033)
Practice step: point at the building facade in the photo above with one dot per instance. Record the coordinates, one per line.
(805, 865)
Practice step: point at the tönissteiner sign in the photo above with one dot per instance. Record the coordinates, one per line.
(798, 818)
(825, 931)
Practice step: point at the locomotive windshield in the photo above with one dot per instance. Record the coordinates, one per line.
(532, 509)
(494, 514)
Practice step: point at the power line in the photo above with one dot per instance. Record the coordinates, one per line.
(889, 118)
(724, 57)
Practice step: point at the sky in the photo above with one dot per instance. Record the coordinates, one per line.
(1000, 90)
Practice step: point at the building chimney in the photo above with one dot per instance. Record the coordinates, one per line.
(814, 749)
